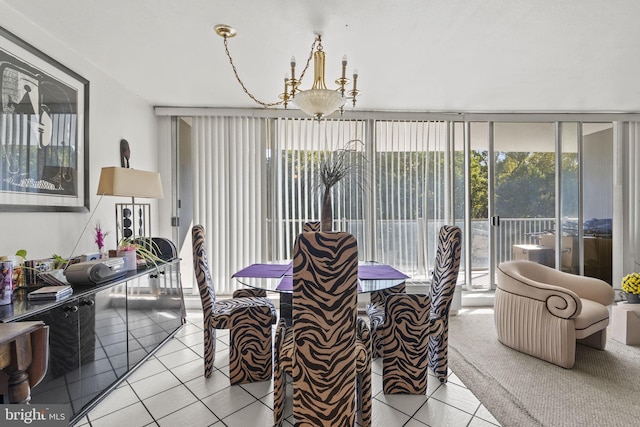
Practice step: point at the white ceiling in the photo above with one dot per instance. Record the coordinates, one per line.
(412, 55)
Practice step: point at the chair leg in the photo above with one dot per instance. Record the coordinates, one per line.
(596, 340)
(377, 342)
(279, 375)
(438, 353)
(250, 344)
(364, 396)
(279, 395)
(209, 349)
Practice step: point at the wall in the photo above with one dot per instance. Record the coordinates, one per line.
(114, 114)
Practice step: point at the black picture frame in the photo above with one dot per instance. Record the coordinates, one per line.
(44, 131)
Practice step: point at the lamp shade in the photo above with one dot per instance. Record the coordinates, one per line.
(318, 102)
(116, 181)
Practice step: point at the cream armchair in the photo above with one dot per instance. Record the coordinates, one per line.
(541, 311)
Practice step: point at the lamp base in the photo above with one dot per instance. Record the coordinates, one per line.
(132, 220)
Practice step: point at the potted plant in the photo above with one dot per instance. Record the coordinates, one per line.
(138, 248)
(333, 167)
(127, 250)
(631, 287)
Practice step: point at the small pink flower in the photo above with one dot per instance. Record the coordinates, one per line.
(100, 235)
(128, 247)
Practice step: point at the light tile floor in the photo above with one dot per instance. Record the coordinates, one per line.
(169, 389)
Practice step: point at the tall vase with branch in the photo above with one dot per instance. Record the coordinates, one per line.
(334, 167)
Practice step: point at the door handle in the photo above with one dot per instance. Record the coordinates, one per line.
(495, 221)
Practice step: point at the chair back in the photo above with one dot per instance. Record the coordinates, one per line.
(445, 274)
(201, 269)
(325, 287)
(311, 226)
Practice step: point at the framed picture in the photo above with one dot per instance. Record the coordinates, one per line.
(44, 129)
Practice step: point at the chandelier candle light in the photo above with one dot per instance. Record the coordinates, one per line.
(318, 101)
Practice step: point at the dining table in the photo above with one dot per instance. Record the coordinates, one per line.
(278, 277)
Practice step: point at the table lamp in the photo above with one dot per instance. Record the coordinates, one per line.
(133, 220)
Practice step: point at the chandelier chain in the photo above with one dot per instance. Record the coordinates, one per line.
(249, 94)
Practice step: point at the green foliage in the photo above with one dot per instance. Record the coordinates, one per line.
(408, 184)
(58, 261)
(146, 249)
(525, 184)
(479, 184)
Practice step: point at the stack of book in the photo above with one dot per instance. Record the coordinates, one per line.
(51, 293)
(54, 278)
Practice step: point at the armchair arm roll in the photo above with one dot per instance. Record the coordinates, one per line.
(560, 301)
(585, 287)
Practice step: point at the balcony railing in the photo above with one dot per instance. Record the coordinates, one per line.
(410, 245)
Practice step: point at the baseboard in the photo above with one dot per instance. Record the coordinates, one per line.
(478, 299)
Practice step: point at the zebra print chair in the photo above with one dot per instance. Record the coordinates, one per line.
(443, 284)
(406, 338)
(327, 351)
(285, 297)
(249, 320)
(375, 311)
(311, 226)
(416, 326)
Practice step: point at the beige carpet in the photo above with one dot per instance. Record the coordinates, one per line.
(603, 388)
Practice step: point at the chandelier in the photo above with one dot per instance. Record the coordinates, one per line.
(318, 101)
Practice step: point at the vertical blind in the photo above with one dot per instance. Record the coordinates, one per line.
(411, 169)
(228, 174)
(295, 151)
(256, 183)
(408, 180)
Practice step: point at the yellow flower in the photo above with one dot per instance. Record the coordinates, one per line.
(631, 283)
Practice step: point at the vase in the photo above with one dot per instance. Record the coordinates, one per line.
(632, 298)
(130, 261)
(326, 215)
(6, 282)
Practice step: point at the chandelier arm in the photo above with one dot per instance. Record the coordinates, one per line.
(235, 71)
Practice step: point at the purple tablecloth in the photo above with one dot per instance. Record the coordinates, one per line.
(263, 270)
(286, 284)
(379, 272)
(285, 271)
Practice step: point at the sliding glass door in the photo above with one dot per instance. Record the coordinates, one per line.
(515, 188)
(527, 197)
